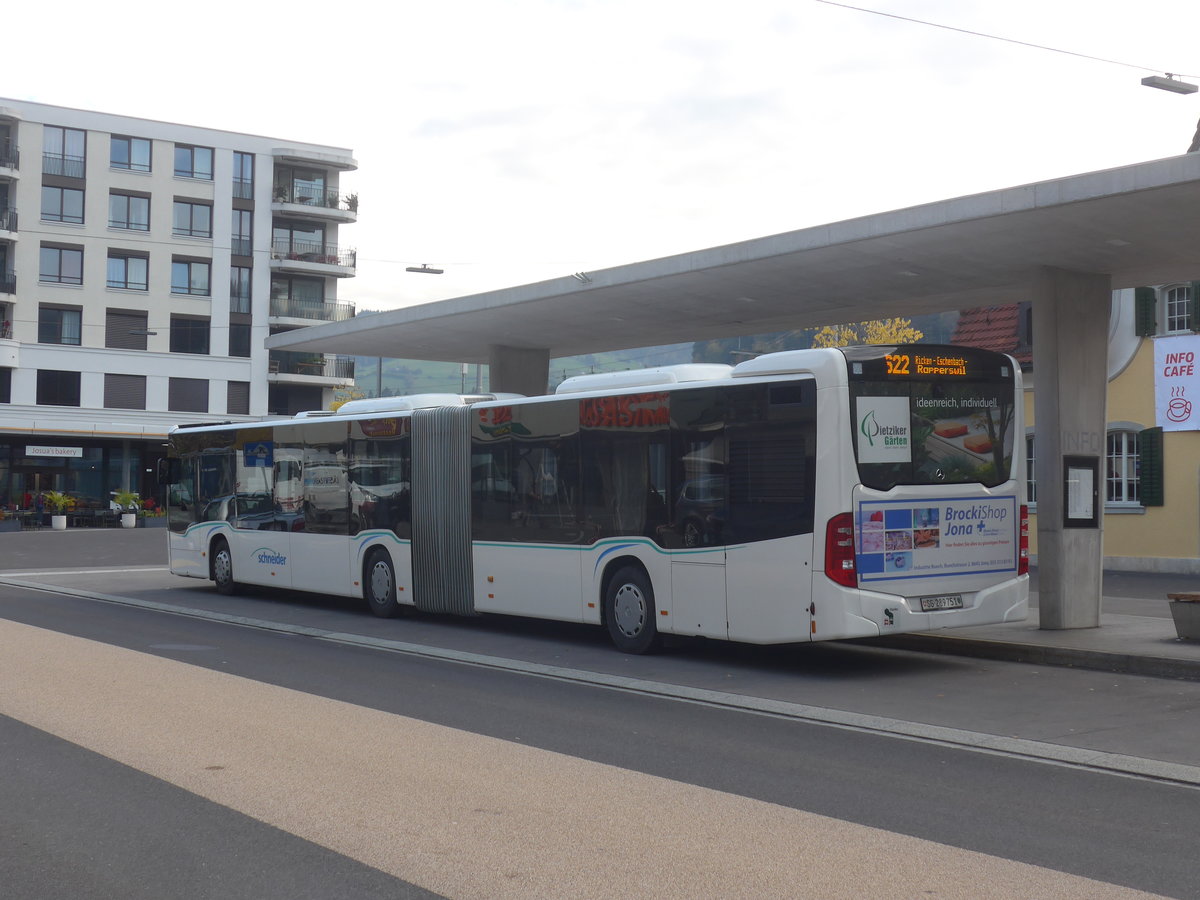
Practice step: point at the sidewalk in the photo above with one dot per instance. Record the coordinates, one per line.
(1137, 645)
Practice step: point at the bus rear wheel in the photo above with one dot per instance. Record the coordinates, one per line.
(629, 611)
(222, 567)
(379, 584)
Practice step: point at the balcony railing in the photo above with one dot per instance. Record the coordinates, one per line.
(10, 156)
(241, 246)
(239, 304)
(8, 283)
(318, 197)
(285, 362)
(5, 331)
(8, 219)
(311, 309)
(59, 164)
(243, 189)
(306, 251)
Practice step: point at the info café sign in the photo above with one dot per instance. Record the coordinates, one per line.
(1177, 383)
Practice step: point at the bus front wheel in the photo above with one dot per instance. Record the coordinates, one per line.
(629, 611)
(222, 567)
(379, 584)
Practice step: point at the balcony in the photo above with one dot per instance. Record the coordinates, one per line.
(311, 310)
(310, 368)
(309, 202)
(10, 158)
(10, 350)
(8, 283)
(8, 223)
(61, 164)
(313, 258)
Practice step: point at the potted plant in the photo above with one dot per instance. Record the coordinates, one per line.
(152, 515)
(128, 503)
(352, 203)
(1185, 611)
(57, 502)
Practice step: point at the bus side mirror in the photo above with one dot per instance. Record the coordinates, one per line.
(168, 471)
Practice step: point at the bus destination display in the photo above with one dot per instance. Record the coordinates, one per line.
(906, 364)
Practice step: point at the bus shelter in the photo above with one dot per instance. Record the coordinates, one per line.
(1064, 245)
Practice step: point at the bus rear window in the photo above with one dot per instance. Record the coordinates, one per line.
(949, 426)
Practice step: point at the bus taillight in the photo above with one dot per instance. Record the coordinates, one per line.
(839, 550)
(1023, 558)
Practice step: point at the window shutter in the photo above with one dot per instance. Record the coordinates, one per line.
(1194, 305)
(125, 391)
(1150, 466)
(1145, 300)
(119, 328)
(238, 398)
(187, 395)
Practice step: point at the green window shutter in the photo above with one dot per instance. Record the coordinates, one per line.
(1194, 305)
(1145, 301)
(1150, 466)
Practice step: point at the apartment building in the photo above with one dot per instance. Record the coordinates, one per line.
(142, 265)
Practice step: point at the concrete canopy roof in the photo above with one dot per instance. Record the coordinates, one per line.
(1139, 224)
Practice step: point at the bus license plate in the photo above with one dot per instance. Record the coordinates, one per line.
(945, 601)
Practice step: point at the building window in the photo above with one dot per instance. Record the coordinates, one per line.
(193, 162)
(242, 239)
(296, 241)
(128, 272)
(5, 385)
(57, 325)
(190, 277)
(189, 335)
(1168, 309)
(125, 391)
(129, 211)
(311, 290)
(1121, 479)
(129, 153)
(62, 205)
(239, 339)
(125, 329)
(63, 151)
(243, 176)
(191, 219)
(1178, 308)
(61, 265)
(187, 395)
(57, 388)
(239, 288)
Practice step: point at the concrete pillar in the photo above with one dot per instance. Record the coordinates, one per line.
(1070, 333)
(518, 370)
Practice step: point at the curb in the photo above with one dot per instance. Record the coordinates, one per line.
(1071, 657)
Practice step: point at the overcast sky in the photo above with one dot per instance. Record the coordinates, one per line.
(513, 141)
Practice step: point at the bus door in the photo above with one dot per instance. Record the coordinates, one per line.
(768, 511)
(698, 595)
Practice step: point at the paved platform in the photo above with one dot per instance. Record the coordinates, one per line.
(1137, 645)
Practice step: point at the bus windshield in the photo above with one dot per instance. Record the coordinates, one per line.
(931, 414)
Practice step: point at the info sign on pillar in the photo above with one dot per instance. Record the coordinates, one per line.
(1177, 383)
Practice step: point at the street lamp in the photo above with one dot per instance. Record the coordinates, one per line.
(1170, 83)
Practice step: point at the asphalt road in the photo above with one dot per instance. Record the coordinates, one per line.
(125, 828)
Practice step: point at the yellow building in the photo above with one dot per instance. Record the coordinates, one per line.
(1151, 486)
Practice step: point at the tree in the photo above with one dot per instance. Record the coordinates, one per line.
(876, 331)
(344, 396)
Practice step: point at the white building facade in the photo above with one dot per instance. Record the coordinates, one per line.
(142, 265)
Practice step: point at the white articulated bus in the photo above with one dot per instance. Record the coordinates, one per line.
(803, 495)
